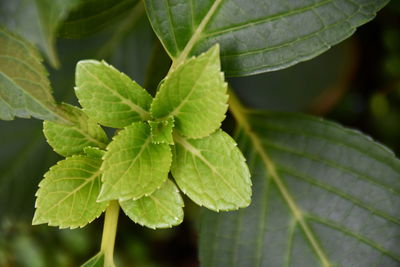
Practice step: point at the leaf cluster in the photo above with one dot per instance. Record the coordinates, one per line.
(177, 132)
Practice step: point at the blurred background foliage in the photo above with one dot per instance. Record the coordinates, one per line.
(356, 83)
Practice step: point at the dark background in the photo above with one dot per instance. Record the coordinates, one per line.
(356, 83)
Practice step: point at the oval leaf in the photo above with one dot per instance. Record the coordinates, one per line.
(257, 36)
(212, 171)
(70, 139)
(195, 95)
(133, 166)
(24, 87)
(67, 195)
(324, 195)
(109, 96)
(162, 209)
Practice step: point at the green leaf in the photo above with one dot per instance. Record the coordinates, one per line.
(92, 16)
(95, 261)
(195, 94)
(161, 209)
(67, 195)
(161, 131)
(94, 152)
(212, 171)
(70, 139)
(133, 166)
(24, 88)
(37, 21)
(109, 96)
(257, 36)
(324, 195)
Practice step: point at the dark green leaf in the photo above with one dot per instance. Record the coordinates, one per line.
(324, 195)
(92, 15)
(257, 35)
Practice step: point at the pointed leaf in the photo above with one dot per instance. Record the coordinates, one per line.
(67, 195)
(257, 36)
(95, 261)
(162, 209)
(133, 166)
(161, 131)
(109, 96)
(70, 139)
(24, 87)
(324, 195)
(212, 171)
(195, 94)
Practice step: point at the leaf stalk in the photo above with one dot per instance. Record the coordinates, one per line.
(109, 233)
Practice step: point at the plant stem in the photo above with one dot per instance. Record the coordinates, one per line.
(109, 232)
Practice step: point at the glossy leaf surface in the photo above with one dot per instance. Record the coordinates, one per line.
(257, 35)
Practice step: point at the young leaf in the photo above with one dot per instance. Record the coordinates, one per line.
(67, 195)
(324, 195)
(162, 209)
(24, 88)
(257, 36)
(70, 139)
(161, 131)
(212, 171)
(109, 96)
(133, 166)
(195, 95)
(95, 261)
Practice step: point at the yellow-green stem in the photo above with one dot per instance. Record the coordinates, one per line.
(109, 232)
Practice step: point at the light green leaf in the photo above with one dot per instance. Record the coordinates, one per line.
(161, 209)
(67, 195)
(133, 166)
(257, 36)
(212, 171)
(95, 261)
(109, 96)
(94, 152)
(70, 139)
(24, 88)
(37, 21)
(324, 195)
(91, 16)
(161, 131)
(195, 95)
